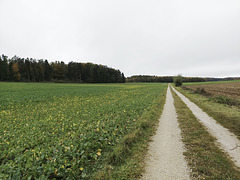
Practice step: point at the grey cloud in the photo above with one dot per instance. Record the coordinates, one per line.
(194, 38)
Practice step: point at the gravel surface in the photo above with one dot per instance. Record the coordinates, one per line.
(226, 140)
(165, 158)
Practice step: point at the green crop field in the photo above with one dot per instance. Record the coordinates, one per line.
(62, 131)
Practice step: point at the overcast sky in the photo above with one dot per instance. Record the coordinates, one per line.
(151, 37)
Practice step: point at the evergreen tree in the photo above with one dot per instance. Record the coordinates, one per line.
(4, 71)
(48, 71)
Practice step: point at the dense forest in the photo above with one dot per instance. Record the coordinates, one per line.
(32, 70)
(169, 79)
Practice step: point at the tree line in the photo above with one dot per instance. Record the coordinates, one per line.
(162, 79)
(32, 70)
(170, 79)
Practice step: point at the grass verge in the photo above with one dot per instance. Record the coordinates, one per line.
(227, 116)
(204, 158)
(126, 161)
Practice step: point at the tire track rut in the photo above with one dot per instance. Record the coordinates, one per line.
(165, 158)
(226, 140)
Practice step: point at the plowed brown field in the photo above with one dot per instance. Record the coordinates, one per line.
(230, 89)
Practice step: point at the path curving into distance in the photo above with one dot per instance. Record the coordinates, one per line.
(226, 140)
(165, 158)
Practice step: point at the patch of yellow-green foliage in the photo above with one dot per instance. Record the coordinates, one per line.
(61, 131)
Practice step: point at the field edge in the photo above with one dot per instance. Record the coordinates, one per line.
(127, 159)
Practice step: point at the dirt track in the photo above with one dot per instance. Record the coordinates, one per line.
(165, 158)
(226, 140)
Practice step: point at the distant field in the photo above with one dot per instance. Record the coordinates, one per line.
(228, 89)
(63, 130)
(210, 82)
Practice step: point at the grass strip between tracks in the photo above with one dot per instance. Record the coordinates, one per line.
(204, 158)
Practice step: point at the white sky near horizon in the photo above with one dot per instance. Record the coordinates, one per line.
(147, 37)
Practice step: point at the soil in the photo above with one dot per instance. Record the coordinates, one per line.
(165, 159)
(231, 90)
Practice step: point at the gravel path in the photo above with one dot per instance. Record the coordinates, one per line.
(165, 158)
(226, 140)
